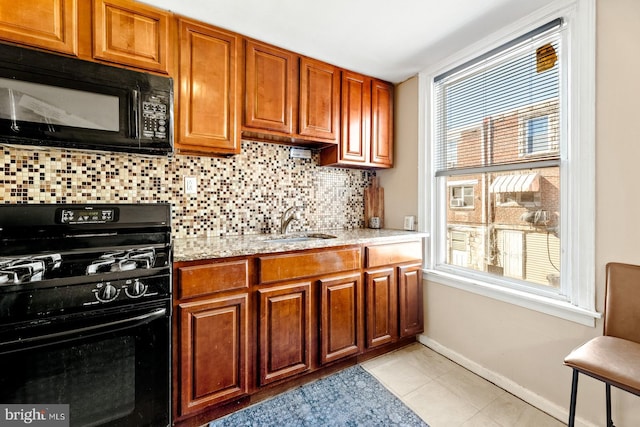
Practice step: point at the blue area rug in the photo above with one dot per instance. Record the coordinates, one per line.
(349, 398)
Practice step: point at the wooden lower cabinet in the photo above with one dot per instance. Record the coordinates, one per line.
(340, 317)
(213, 351)
(381, 295)
(285, 334)
(411, 304)
(393, 292)
(246, 328)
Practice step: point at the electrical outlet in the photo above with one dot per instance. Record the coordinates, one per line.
(190, 185)
(410, 222)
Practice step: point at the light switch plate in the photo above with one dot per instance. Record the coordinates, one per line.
(410, 223)
(190, 185)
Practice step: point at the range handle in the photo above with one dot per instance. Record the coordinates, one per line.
(21, 344)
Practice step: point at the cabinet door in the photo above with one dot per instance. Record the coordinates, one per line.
(269, 87)
(47, 24)
(213, 351)
(319, 100)
(131, 33)
(381, 296)
(356, 113)
(284, 331)
(381, 124)
(410, 291)
(209, 90)
(340, 317)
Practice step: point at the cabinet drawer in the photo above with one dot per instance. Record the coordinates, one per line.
(210, 278)
(393, 253)
(294, 266)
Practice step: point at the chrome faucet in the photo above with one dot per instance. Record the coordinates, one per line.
(288, 216)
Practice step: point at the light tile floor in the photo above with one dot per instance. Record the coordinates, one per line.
(444, 394)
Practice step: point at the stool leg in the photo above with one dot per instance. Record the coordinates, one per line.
(609, 420)
(574, 392)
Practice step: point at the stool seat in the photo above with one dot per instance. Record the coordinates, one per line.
(614, 357)
(611, 359)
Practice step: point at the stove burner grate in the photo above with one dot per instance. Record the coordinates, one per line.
(123, 261)
(29, 269)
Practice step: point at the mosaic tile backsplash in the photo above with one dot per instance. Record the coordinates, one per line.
(243, 194)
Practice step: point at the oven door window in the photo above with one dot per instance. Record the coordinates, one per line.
(112, 376)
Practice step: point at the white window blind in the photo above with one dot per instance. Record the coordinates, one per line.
(501, 111)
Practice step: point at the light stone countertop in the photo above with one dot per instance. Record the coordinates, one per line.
(199, 248)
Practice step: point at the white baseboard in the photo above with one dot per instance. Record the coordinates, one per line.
(505, 383)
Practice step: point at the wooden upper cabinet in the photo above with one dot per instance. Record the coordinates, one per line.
(319, 112)
(269, 87)
(131, 34)
(381, 124)
(289, 98)
(367, 124)
(356, 113)
(46, 24)
(209, 90)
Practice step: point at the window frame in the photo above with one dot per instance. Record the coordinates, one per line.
(577, 172)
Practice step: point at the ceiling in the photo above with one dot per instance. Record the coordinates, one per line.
(367, 36)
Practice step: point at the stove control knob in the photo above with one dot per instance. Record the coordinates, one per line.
(136, 289)
(107, 292)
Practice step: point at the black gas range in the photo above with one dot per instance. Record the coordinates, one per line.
(85, 303)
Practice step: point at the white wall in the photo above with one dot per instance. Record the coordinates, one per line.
(516, 347)
(400, 183)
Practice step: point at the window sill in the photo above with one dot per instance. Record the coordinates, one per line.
(550, 306)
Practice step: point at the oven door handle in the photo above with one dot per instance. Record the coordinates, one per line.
(69, 335)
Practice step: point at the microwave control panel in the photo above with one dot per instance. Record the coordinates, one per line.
(155, 117)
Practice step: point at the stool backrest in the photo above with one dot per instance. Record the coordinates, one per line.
(622, 301)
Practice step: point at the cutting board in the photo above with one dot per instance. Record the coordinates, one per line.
(374, 202)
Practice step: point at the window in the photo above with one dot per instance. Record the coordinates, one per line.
(528, 199)
(459, 250)
(461, 196)
(508, 121)
(537, 137)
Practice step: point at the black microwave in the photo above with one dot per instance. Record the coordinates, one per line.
(53, 100)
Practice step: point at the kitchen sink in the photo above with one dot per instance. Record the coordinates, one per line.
(300, 238)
